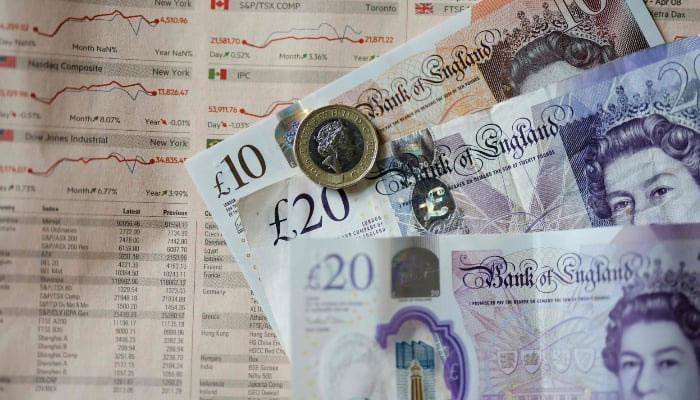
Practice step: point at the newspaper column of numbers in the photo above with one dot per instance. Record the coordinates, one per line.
(173, 284)
(126, 304)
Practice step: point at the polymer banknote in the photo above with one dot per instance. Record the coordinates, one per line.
(606, 313)
(616, 145)
(492, 51)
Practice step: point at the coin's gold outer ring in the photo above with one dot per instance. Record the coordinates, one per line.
(369, 151)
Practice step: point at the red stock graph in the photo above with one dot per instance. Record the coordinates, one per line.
(324, 31)
(130, 163)
(270, 109)
(132, 90)
(134, 21)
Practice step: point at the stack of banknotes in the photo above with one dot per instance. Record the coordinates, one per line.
(527, 231)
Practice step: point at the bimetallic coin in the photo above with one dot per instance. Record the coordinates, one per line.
(336, 146)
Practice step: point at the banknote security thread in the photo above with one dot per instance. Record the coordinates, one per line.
(336, 146)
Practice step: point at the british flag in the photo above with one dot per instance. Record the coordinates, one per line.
(424, 8)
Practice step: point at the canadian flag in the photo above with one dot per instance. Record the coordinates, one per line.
(219, 4)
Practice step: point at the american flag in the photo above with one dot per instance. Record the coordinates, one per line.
(424, 8)
(7, 135)
(219, 4)
(8, 62)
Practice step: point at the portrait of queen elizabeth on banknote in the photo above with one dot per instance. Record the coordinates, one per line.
(653, 338)
(637, 156)
(555, 43)
(554, 57)
(627, 188)
(349, 368)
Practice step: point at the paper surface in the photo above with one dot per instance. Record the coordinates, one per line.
(545, 315)
(114, 281)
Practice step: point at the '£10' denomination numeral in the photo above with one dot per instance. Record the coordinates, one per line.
(338, 276)
(583, 6)
(309, 226)
(243, 157)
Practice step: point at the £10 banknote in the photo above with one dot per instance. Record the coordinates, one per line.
(616, 145)
(492, 51)
(608, 313)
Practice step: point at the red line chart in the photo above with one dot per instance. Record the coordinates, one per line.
(330, 39)
(100, 17)
(334, 35)
(101, 87)
(269, 110)
(130, 163)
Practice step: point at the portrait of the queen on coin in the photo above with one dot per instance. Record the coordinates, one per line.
(336, 146)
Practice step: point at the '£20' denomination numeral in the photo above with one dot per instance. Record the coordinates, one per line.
(309, 226)
(358, 276)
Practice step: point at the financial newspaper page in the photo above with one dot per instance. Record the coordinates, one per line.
(114, 281)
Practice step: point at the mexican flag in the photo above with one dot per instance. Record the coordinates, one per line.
(217, 73)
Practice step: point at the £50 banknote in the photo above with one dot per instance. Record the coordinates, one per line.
(490, 52)
(606, 313)
(616, 145)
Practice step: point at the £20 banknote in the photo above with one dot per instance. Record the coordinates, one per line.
(492, 51)
(619, 144)
(608, 313)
